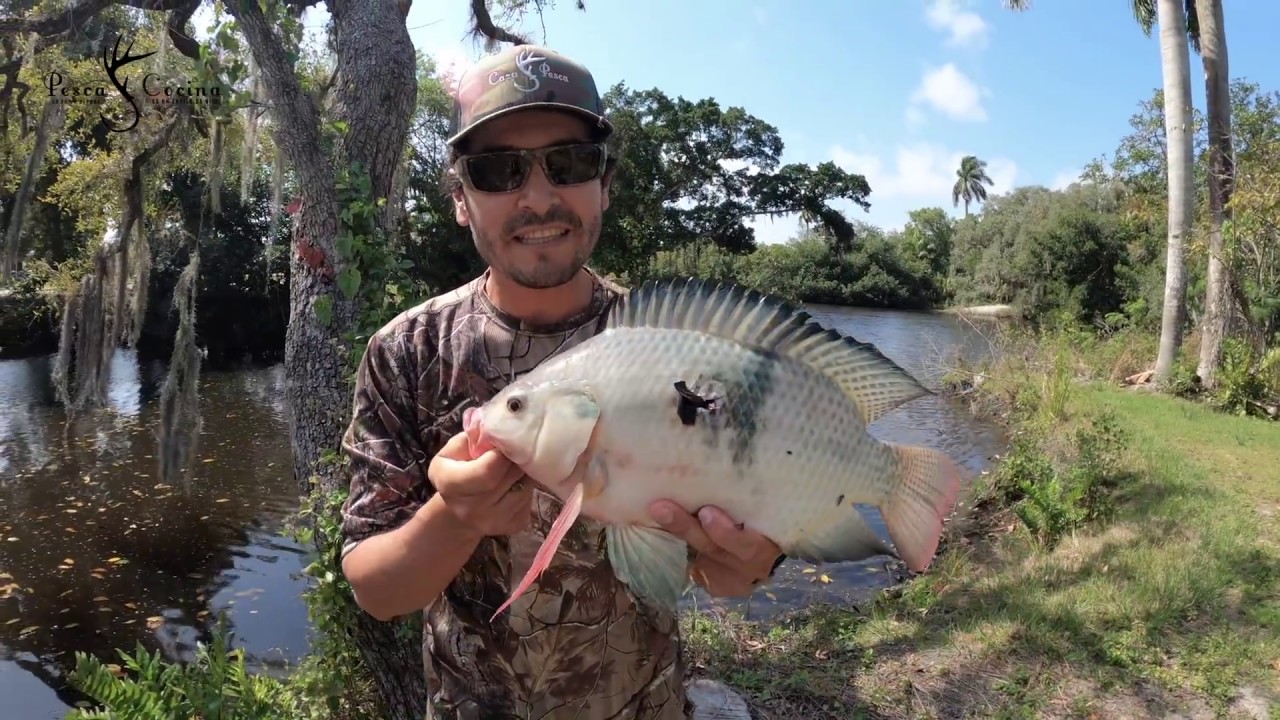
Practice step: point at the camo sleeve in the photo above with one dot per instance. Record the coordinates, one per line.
(387, 462)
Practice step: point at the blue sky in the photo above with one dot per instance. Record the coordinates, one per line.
(897, 90)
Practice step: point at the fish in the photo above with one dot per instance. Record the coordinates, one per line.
(716, 394)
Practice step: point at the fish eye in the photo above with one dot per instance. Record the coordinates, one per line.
(515, 404)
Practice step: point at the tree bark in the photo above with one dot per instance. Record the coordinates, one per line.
(1213, 53)
(50, 122)
(374, 94)
(1176, 69)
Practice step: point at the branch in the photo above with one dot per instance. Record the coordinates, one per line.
(80, 13)
(294, 108)
(483, 24)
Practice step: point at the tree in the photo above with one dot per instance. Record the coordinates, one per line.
(345, 142)
(1176, 23)
(1213, 53)
(971, 177)
(1176, 70)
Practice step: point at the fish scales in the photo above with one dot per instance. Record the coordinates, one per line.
(714, 395)
(776, 456)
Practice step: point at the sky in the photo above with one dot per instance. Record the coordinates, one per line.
(897, 90)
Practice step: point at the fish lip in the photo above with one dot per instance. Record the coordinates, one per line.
(478, 442)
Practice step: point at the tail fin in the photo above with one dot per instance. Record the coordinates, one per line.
(928, 488)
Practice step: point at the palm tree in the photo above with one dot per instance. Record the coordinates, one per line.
(1212, 37)
(1175, 19)
(970, 179)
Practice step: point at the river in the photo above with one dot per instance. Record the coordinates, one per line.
(96, 554)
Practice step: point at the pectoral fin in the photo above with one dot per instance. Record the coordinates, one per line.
(653, 563)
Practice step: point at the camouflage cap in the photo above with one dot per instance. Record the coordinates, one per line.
(521, 78)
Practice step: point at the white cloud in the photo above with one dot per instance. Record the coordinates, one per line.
(923, 173)
(1064, 179)
(964, 28)
(950, 92)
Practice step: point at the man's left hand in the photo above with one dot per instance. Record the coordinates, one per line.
(729, 560)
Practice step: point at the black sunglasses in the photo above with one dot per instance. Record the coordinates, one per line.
(507, 170)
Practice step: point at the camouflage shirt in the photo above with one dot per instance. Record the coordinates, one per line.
(575, 645)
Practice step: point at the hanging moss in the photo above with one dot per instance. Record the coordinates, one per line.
(141, 281)
(180, 420)
(249, 153)
(215, 165)
(66, 343)
(94, 321)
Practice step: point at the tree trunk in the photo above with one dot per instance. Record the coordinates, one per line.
(1213, 52)
(1175, 64)
(50, 122)
(374, 94)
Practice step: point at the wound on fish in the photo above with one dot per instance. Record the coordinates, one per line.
(689, 403)
(839, 500)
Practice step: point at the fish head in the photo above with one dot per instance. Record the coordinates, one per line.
(542, 427)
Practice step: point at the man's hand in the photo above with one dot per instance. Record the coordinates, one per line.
(730, 561)
(488, 494)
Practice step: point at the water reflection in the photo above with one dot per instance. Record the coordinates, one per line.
(96, 553)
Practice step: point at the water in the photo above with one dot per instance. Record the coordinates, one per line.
(95, 554)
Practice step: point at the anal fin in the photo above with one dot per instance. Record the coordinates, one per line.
(653, 563)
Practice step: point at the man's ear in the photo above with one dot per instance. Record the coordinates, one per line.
(460, 212)
(606, 185)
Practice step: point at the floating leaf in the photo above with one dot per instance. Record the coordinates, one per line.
(809, 570)
(823, 577)
(222, 500)
(68, 561)
(28, 630)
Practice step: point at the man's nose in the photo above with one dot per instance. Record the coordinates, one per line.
(538, 194)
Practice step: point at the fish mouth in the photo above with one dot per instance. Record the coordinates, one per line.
(478, 442)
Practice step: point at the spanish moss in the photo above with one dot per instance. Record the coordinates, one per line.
(215, 166)
(66, 341)
(92, 327)
(180, 421)
(141, 280)
(277, 198)
(249, 153)
(91, 335)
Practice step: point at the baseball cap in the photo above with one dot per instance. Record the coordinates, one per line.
(520, 78)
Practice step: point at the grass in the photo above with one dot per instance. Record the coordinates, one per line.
(1169, 602)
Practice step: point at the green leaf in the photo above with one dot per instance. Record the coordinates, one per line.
(349, 281)
(324, 309)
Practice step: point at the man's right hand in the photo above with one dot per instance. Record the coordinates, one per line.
(489, 494)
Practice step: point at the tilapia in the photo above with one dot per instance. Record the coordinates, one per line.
(719, 395)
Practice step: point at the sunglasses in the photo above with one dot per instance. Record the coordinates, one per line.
(507, 170)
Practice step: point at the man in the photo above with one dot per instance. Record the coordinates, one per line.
(429, 528)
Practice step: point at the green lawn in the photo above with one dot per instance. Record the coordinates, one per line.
(1172, 606)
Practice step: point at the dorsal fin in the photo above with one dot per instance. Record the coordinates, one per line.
(874, 382)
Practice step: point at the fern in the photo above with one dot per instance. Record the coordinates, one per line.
(216, 685)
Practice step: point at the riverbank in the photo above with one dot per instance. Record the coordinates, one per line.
(1150, 587)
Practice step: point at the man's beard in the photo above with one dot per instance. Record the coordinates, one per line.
(546, 273)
